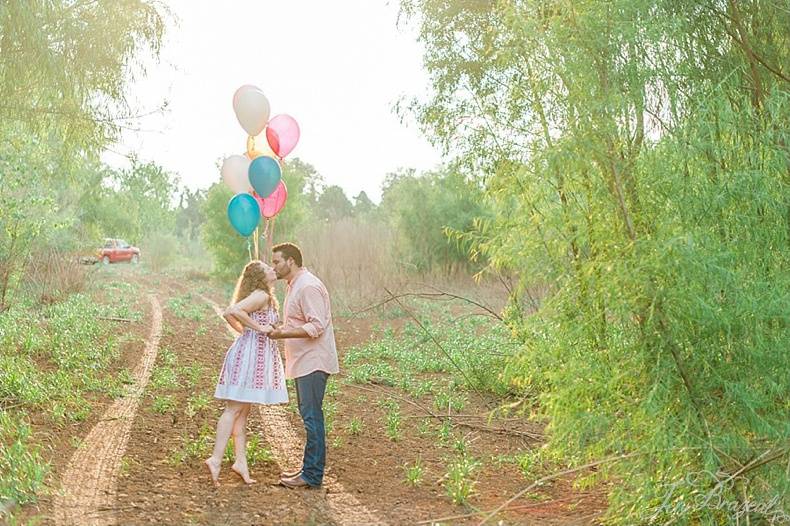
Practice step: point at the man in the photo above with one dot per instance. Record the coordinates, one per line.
(310, 356)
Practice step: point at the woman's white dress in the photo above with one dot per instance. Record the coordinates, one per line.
(253, 371)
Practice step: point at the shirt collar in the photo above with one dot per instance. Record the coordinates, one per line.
(296, 276)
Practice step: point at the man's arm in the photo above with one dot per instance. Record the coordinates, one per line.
(316, 312)
(281, 334)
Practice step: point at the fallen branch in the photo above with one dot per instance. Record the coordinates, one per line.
(7, 506)
(110, 318)
(511, 508)
(613, 458)
(469, 425)
(435, 341)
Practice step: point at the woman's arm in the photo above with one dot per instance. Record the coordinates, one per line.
(241, 311)
(233, 322)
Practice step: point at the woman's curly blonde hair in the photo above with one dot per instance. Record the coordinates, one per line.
(253, 278)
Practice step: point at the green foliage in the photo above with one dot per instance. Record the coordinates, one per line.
(422, 211)
(355, 426)
(363, 206)
(414, 473)
(393, 423)
(163, 404)
(134, 204)
(22, 469)
(64, 65)
(27, 211)
(333, 204)
(459, 481)
(473, 355)
(50, 359)
(188, 307)
(636, 165)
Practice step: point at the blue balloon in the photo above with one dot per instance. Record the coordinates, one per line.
(265, 175)
(244, 213)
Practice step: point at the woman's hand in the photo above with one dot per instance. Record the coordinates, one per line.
(267, 329)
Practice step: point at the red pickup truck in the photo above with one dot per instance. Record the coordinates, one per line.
(115, 250)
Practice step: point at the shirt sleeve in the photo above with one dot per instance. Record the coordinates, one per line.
(315, 311)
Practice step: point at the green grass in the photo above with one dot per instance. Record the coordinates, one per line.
(355, 426)
(22, 469)
(198, 447)
(188, 307)
(414, 473)
(393, 423)
(53, 360)
(472, 357)
(163, 404)
(197, 404)
(459, 481)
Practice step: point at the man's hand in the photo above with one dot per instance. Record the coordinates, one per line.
(279, 334)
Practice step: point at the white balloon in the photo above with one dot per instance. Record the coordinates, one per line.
(235, 173)
(252, 109)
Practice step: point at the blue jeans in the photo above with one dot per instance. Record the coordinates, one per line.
(310, 396)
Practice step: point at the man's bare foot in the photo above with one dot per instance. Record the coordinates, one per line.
(244, 473)
(213, 469)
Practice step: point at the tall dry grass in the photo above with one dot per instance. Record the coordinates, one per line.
(357, 260)
(51, 275)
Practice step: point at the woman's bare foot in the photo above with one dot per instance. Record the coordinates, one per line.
(244, 473)
(213, 468)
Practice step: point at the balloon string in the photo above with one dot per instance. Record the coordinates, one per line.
(271, 235)
(249, 248)
(268, 236)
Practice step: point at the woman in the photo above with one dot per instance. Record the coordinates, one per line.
(252, 372)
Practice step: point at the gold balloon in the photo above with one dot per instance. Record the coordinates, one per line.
(257, 146)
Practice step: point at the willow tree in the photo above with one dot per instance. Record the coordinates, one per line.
(64, 69)
(65, 64)
(636, 158)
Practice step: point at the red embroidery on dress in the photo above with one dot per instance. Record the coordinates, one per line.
(239, 349)
(222, 374)
(259, 380)
(276, 366)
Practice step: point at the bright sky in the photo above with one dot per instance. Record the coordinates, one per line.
(336, 67)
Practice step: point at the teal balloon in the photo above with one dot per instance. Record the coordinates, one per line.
(244, 213)
(265, 175)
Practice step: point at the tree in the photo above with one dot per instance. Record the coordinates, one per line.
(333, 204)
(614, 140)
(423, 210)
(363, 206)
(190, 213)
(64, 64)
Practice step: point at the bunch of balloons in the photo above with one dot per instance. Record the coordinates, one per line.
(256, 176)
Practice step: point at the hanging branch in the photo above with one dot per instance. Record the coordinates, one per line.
(430, 295)
(430, 334)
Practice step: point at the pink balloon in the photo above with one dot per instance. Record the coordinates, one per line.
(259, 199)
(282, 134)
(273, 204)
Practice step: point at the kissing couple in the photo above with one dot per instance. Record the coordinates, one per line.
(253, 373)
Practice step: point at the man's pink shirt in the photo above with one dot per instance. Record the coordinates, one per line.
(307, 306)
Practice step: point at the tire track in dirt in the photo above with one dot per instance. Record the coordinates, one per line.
(89, 482)
(340, 506)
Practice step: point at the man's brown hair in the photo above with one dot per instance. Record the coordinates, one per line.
(289, 250)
